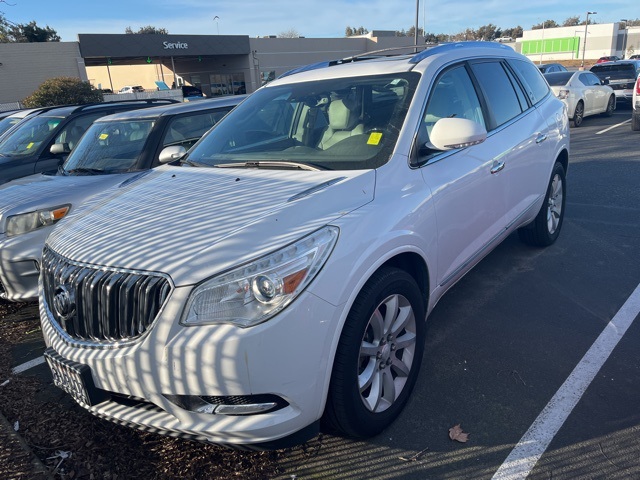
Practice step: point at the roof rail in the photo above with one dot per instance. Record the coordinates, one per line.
(445, 47)
(160, 101)
(384, 52)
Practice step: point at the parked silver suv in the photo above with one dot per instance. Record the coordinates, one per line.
(281, 278)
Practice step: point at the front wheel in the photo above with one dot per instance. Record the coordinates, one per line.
(545, 229)
(378, 356)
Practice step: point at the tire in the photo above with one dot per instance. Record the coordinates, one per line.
(545, 228)
(578, 115)
(373, 355)
(635, 121)
(611, 106)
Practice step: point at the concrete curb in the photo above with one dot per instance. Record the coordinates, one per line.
(37, 467)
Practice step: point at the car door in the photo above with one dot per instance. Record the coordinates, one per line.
(467, 184)
(601, 92)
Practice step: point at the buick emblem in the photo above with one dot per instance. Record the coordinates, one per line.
(64, 303)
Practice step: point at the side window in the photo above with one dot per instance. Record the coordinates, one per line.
(72, 131)
(453, 95)
(592, 79)
(185, 130)
(534, 83)
(583, 79)
(499, 91)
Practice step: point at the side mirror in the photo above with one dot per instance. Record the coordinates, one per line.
(172, 153)
(450, 133)
(59, 149)
(605, 81)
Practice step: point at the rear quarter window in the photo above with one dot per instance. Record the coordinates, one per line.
(534, 84)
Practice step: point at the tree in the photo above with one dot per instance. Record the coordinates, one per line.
(572, 22)
(546, 23)
(515, 32)
(351, 31)
(291, 33)
(149, 29)
(488, 32)
(26, 32)
(63, 91)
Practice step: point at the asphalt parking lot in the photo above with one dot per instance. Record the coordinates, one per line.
(500, 346)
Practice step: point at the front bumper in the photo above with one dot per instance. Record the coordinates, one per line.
(20, 264)
(287, 356)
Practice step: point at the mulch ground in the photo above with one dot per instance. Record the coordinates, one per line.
(70, 443)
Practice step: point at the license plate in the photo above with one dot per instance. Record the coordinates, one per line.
(74, 378)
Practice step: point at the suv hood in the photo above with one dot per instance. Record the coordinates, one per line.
(194, 222)
(39, 191)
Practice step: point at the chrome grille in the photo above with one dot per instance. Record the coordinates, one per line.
(100, 305)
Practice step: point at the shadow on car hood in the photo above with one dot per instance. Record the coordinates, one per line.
(193, 222)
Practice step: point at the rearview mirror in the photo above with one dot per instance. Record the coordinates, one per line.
(172, 153)
(59, 148)
(450, 133)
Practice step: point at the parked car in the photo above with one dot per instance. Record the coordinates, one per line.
(608, 58)
(635, 57)
(635, 107)
(551, 67)
(114, 149)
(26, 149)
(131, 89)
(583, 93)
(620, 75)
(13, 118)
(283, 274)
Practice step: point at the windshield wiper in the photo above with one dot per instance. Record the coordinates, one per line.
(85, 171)
(273, 164)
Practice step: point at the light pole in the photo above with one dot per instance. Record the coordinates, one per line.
(584, 45)
(415, 36)
(542, 46)
(216, 18)
(626, 34)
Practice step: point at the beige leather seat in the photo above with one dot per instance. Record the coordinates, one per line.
(343, 123)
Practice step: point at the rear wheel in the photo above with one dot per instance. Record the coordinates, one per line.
(578, 115)
(611, 106)
(545, 229)
(378, 356)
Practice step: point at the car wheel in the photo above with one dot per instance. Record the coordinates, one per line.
(611, 106)
(378, 356)
(578, 115)
(635, 121)
(545, 229)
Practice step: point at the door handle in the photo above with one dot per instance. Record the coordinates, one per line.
(541, 138)
(497, 167)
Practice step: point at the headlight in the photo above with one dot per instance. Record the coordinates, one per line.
(27, 222)
(253, 293)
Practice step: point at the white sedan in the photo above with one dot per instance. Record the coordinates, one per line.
(583, 93)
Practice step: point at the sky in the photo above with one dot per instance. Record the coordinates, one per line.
(326, 18)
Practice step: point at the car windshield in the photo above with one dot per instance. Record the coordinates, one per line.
(556, 79)
(28, 136)
(7, 122)
(344, 123)
(109, 147)
(615, 70)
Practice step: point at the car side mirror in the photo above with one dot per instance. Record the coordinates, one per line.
(605, 81)
(450, 133)
(59, 149)
(172, 153)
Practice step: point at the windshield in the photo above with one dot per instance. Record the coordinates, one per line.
(344, 123)
(7, 122)
(109, 147)
(28, 136)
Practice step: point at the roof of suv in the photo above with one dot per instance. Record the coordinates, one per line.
(386, 61)
(91, 107)
(175, 109)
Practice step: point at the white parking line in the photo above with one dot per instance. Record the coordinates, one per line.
(26, 366)
(613, 126)
(535, 441)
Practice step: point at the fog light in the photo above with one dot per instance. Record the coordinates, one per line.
(229, 405)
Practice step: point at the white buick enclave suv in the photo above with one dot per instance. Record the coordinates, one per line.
(279, 279)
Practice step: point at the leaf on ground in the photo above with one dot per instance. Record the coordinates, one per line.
(456, 433)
